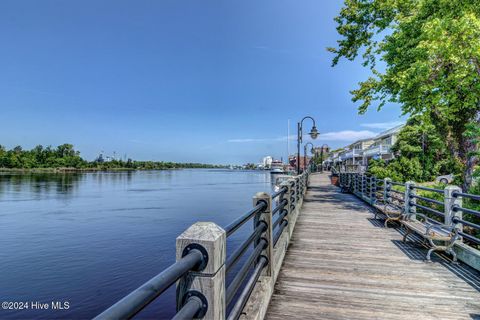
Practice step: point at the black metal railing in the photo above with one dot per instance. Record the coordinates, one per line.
(141, 297)
(194, 304)
(430, 204)
(235, 225)
(240, 288)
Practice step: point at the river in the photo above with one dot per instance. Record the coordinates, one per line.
(88, 239)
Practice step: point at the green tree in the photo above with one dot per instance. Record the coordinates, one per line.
(419, 139)
(431, 53)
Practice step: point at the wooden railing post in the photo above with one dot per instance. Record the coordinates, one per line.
(386, 185)
(302, 185)
(307, 181)
(373, 190)
(449, 203)
(363, 184)
(294, 192)
(288, 206)
(359, 190)
(409, 191)
(265, 216)
(298, 191)
(209, 280)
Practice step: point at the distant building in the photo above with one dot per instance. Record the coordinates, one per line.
(292, 161)
(267, 162)
(317, 151)
(356, 156)
(352, 158)
(382, 144)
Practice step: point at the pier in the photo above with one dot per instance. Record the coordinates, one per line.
(319, 251)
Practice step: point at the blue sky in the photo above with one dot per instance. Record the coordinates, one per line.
(173, 80)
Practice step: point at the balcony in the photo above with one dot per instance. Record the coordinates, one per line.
(351, 154)
(377, 150)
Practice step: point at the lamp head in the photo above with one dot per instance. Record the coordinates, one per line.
(314, 133)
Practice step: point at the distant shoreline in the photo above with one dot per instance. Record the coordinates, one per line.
(81, 170)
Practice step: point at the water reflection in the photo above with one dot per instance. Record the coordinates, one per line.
(18, 186)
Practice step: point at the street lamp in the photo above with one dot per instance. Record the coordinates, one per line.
(313, 134)
(305, 152)
(323, 147)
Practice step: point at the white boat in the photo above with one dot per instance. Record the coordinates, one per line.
(277, 167)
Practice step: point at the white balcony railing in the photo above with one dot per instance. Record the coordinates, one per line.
(352, 153)
(377, 150)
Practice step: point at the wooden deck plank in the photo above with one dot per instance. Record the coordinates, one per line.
(342, 264)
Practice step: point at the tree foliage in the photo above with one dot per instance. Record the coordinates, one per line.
(430, 64)
(421, 154)
(65, 156)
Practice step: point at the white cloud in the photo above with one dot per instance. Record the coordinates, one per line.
(345, 135)
(246, 140)
(382, 125)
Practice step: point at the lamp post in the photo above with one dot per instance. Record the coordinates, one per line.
(325, 146)
(305, 153)
(313, 133)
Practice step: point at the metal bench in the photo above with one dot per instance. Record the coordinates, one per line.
(392, 212)
(432, 232)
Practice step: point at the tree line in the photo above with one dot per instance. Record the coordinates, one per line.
(65, 156)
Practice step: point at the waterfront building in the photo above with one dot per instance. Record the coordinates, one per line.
(352, 158)
(382, 145)
(356, 156)
(267, 162)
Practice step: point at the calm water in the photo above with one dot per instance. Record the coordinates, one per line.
(89, 239)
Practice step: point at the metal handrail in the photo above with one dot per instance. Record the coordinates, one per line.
(466, 195)
(133, 303)
(279, 192)
(466, 210)
(426, 218)
(427, 189)
(277, 235)
(232, 260)
(247, 290)
(235, 225)
(469, 237)
(435, 212)
(190, 309)
(242, 273)
(281, 205)
(280, 218)
(466, 223)
(359, 184)
(396, 191)
(396, 198)
(427, 199)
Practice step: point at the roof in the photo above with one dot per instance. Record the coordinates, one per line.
(361, 140)
(389, 132)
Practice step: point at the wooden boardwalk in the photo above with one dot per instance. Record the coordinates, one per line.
(343, 264)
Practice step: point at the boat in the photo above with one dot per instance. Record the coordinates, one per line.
(277, 167)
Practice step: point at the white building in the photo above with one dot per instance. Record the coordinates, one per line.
(267, 162)
(355, 157)
(382, 144)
